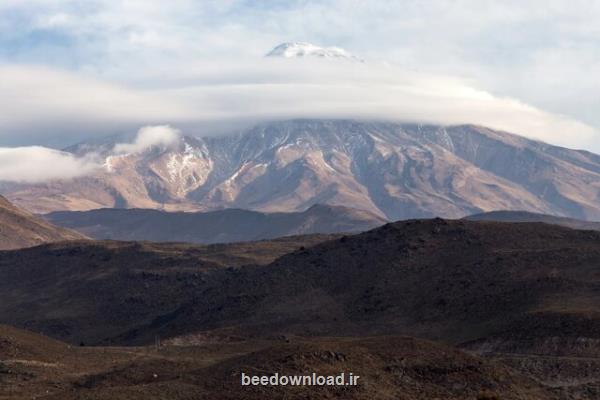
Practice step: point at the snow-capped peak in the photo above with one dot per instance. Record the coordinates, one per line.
(302, 49)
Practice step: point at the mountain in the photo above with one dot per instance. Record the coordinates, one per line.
(524, 216)
(396, 171)
(19, 229)
(302, 49)
(224, 226)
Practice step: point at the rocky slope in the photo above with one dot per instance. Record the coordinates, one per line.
(19, 229)
(526, 286)
(521, 298)
(222, 226)
(395, 171)
(33, 366)
(92, 291)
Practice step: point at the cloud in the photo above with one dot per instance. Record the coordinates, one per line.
(43, 102)
(544, 56)
(268, 89)
(34, 164)
(58, 102)
(149, 136)
(111, 66)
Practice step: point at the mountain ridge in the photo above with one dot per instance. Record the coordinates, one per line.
(19, 229)
(397, 171)
(219, 226)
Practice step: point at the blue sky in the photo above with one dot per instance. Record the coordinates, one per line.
(540, 54)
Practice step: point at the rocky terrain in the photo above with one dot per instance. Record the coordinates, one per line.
(492, 285)
(19, 228)
(92, 292)
(396, 171)
(515, 305)
(496, 285)
(221, 226)
(33, 366)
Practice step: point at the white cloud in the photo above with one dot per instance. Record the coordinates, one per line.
(154, 62)
(54, 102)
(149, 136)
(29, 93)
(34, 164)
(546, 55)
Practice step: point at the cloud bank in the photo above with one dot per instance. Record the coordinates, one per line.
(36, 164)
(72, 70)
(111, 66)
(544, 56)
(53, 102)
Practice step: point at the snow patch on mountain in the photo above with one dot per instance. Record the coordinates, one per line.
(303, 49)
(396, 170)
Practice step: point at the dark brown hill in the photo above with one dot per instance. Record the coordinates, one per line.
(389, 368)
(524, 296)
(523, 285)
(530, 286)
(20, 229)
(223, 226)
(90, 291)
(19, 344)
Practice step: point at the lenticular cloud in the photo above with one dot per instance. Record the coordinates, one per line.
(267, 88)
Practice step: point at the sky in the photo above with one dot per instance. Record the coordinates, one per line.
(71, 70)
